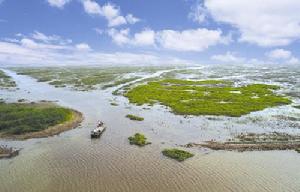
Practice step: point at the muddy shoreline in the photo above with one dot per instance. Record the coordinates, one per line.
(254, 142)
(241, 147)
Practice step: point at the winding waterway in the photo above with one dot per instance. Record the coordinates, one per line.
(72, 161)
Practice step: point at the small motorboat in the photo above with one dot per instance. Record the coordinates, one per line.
(95, 133)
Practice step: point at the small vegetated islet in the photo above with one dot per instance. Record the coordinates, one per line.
(177, 154)
(138, 139)
(208, 97)
(8, 152)
(20, 118)
(134, 117)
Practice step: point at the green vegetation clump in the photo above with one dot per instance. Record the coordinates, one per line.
(177, 154)
(208, 97)
(297, 107)
(6, 81)
(17, 118)
(138, 139)
(114, 104)
(134, 117)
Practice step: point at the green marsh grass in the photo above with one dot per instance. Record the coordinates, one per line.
(177, 154)
(208, 97)
(138, 139)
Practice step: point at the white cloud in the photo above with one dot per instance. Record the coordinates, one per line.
(189, 40)
(27, 51)
(116, 21)
(83, 47)
(283, 56)
(228, 57)
(293, 60)
(111, 12)
(99, 31)
(28, 43)
(198, 13)
(131, 19)
(279, 54)
(145, 37)
(265, 23)
(119, 37)
(50, 38)
(276, 56)
(91, 7)
(58, 3)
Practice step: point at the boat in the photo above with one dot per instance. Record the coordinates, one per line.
(96, 133)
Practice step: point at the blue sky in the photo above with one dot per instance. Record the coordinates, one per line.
(133, 32)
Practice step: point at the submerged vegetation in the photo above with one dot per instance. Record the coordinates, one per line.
(134, 117)
(177, 154)
(208, 97)
(84, 79)
(255, 142)
(138, 139)
(6, 81)
(22, 118)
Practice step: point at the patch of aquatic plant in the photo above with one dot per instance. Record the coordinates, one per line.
(8, 152)
(20, 118)
(114, 104)
(177, 154)
(208, 97)
(138, 139)
(297, 106)
(134, 117)
(6, 81)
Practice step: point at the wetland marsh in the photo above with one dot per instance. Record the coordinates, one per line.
(170, 102)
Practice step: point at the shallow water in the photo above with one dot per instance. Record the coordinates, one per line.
(72, 161)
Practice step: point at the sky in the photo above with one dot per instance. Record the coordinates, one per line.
(149, 32)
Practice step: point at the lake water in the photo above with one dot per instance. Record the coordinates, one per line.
(72, 161)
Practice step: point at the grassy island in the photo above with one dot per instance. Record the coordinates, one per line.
(138, 139)
(29, 120)
(6, 81)
(134, 117)
(177, 154)
(209, 97)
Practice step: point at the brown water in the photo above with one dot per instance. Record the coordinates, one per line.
(74, 162)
